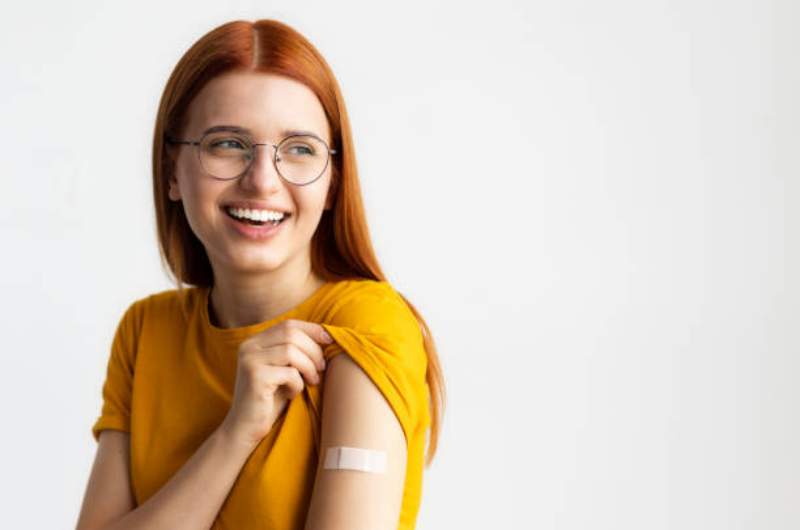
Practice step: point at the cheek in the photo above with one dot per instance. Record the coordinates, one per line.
(314, 198)
(311, 207)
(198, 202)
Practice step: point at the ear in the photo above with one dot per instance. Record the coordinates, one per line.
(172, 159)
(174, 189)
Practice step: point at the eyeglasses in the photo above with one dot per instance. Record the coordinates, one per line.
(299, 159)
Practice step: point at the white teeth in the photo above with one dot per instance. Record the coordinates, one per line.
(256, 215)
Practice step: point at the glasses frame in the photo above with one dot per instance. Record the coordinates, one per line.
(197, 143)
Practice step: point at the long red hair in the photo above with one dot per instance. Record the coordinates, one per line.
(341, 246)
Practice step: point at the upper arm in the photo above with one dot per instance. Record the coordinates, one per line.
(109, 494)
(355, 414)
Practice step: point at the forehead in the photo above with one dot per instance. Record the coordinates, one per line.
(266, 104)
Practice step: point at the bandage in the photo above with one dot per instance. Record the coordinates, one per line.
(355, 458)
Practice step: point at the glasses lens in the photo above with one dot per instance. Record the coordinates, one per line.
(225, 155)
(302, 158)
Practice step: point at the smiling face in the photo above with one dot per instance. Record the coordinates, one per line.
(267, 105)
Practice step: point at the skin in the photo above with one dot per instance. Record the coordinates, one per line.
(254, 281)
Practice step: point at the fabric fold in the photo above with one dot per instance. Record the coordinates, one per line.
(171, 376)
(378, 330)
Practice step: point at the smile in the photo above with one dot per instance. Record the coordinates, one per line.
(256, 217)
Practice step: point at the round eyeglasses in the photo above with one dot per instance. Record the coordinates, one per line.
(299, 158)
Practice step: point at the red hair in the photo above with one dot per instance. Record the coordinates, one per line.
(341, 246)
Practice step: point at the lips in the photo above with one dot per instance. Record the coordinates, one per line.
(255, 205)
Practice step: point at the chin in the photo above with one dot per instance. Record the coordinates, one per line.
(256, 265)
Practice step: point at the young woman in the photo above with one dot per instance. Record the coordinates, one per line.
(226, 404)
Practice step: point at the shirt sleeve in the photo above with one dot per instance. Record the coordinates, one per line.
(118, 385)
(376, 328)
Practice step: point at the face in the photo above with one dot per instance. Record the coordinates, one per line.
(267, 105)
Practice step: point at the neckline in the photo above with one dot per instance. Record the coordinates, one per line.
(241, 332)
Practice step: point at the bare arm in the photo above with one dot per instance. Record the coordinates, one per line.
(355, 414)
(109, 493)
(190, 500)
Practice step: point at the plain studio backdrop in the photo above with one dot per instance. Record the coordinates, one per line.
(594, 204)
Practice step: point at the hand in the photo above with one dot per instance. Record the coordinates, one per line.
(272, 366)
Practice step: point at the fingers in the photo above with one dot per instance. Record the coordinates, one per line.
(280, 356)
(292, 343)
(308, 336)
(285, 375)
(298, 359)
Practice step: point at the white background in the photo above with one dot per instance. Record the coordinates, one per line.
(593, 203)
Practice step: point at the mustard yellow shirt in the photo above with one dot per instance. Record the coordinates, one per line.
(170, 380)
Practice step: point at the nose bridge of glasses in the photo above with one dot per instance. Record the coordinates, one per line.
(273, 161)
(264, 144)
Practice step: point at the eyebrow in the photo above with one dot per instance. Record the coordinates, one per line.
(245, 130)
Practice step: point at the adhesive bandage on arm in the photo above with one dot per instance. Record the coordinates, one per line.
(356, 458)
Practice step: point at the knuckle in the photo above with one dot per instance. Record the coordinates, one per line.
(246, 348)
(297, 353)
(293, 335)
(270, 380)
(288, 353)
(246, 363)
(284, 333)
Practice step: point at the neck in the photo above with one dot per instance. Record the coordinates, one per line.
(237, 300)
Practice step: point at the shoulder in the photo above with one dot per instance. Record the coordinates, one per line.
(163, 306)
(165, 303)
(372, 306)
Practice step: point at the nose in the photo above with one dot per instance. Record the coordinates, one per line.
(262, 175)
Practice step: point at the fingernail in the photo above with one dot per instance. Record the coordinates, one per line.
(326, 336)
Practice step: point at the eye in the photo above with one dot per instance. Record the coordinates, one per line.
(228, 143)
(300, 149)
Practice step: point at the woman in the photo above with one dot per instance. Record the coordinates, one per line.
(225, 404)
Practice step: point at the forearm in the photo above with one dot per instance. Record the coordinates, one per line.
(192, 498)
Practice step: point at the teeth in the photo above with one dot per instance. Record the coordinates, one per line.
(256, 215)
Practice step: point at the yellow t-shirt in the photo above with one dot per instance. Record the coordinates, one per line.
(170, 381)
